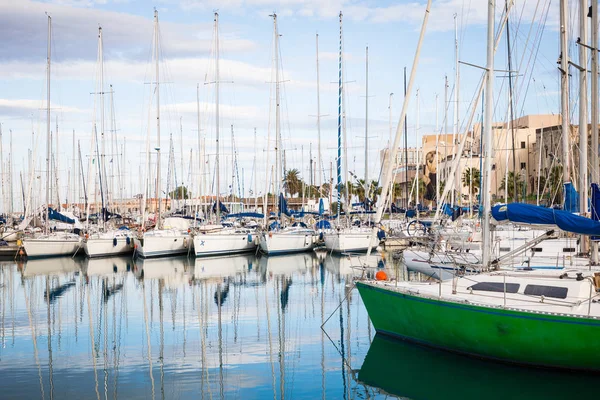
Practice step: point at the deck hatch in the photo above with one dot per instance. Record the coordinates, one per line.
(547, 291)
(495, 287)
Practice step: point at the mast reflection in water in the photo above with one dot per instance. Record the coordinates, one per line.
(215, 328)
(229, 327)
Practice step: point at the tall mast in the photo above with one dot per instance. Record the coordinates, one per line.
(418, 170)
(102, 165)
(278, 149)
(437, 143)
(218, 177)
(48, 140)
(319, 181)
(254, 174)
(406, 148)
(583, 131)
(339, 155)
(10, 174)
(511, 108)
(445, 125)
(564, 90)
(158, 179)
(389, 152)
(594, 110)
(387, 173)
(200, 155)
(181, 148)
(367, 123)
(456, 109)
(3, 187)
(487, 135)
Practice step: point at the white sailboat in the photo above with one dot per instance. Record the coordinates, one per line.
(162, 240)
(104, 242)
(49, 244)
(345, 238)
(288, 239)
(216, 239)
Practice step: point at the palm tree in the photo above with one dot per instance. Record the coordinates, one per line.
(512, 177)
(422, 189)
(292, 182)
(466, 179)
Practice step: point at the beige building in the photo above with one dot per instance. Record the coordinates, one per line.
(522, 157)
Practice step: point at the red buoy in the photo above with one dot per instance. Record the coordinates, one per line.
(381, 276)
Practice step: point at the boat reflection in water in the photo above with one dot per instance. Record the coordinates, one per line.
(59, 266)
(407, 370)
(107, 266)
(226, 327)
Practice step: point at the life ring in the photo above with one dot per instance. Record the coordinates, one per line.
(312, 221)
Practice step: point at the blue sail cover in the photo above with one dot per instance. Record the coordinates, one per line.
(595, 202)
(222, 206)
(56, 216)
(321, 207)
(246, 214)
(571, 198)
(535, 215)
(283, 205)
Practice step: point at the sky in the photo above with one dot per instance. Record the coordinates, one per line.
(390, 29)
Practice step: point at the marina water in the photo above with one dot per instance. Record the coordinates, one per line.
(233, 327)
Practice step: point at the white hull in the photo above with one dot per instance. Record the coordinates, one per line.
(162, 243)
(287, 242)
(51, 246)
(223, 243)
(103, 247)
(10, 236)
(350, 241)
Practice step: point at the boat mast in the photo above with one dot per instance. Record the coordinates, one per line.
(367, 123)
(487, 135)
(456, 113)
(200, 155)
(564, 90)
(278, 161)
(158, 180)
(218, 175)
(583, 131)
(594, 110)
(511, 109)
(339, 155)
(4, 199)
(48, 141)
(406, 149)
(388, 172)
(319, 165)
(418, 170)
(389, 152)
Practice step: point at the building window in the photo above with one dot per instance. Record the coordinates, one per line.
(523, 145)
(493, 167)
(523, 165)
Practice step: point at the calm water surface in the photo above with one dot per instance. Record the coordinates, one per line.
(234, 327)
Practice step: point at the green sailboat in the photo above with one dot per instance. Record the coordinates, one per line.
(545, 319)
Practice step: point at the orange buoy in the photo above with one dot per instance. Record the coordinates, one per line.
(381, 276)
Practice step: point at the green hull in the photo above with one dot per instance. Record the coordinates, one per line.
(511, 336)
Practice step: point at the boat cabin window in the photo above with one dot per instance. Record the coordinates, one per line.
(568, 249)
(537, 249)
(547, 291)
(505, 248)
(495, 287)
